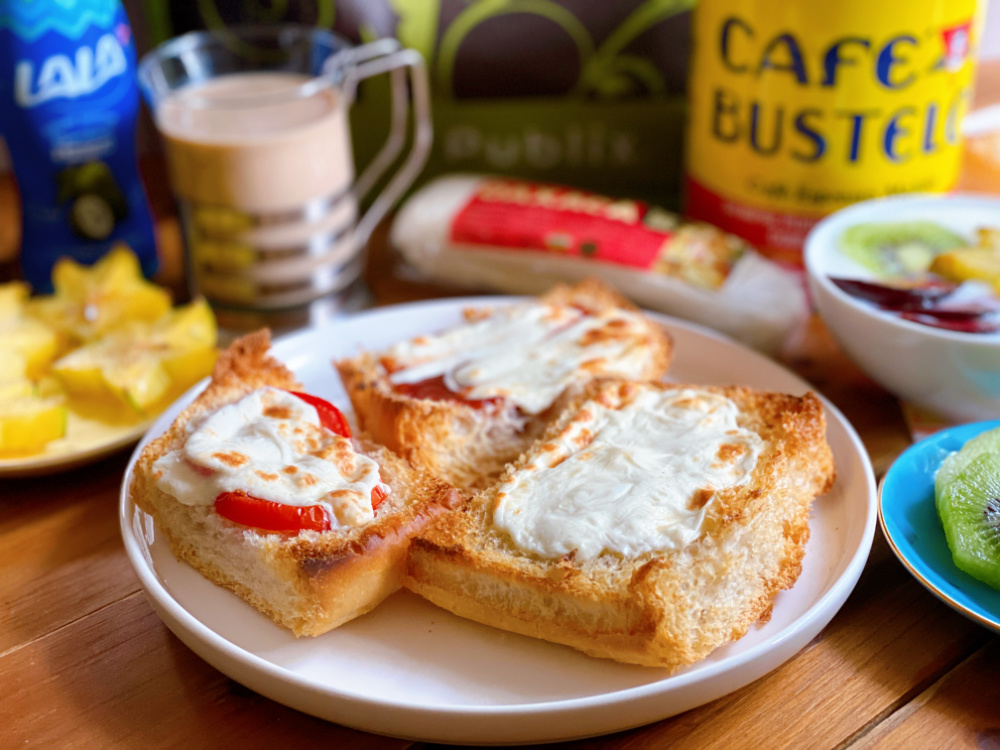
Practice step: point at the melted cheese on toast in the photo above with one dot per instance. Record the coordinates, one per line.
(627, 478)
(271, 445)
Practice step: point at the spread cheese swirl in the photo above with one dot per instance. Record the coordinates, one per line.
(628, 480)
(270, 444)
(525, 353)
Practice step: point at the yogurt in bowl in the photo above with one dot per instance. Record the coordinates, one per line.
(954, 373)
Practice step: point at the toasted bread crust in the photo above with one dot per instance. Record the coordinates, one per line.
(665, 609)
(470, 446)
(312, 582)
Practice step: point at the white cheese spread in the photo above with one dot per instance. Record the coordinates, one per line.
(628, 480)
(525, 353)
(271, 445)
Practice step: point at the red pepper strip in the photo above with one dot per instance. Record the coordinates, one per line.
(329, 415)
(247, 510)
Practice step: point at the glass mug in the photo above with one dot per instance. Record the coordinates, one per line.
(258, 145)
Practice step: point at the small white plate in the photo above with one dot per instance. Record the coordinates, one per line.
(409, 669)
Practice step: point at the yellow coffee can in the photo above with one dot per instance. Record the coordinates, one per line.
(800, 108)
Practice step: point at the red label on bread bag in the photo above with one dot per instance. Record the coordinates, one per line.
(778, 235)
(546, 218)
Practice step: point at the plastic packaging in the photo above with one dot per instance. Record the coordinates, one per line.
(521, 237)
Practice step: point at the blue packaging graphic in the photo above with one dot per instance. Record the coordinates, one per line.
(68, 108)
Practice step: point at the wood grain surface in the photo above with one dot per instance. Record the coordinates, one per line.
(85, 661)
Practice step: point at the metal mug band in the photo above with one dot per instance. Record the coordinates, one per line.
(256, 294)
(242, 260)
(218, 220)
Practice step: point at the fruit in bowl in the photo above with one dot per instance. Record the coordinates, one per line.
(897, 248)
(981, 262)
(931, 340)
(931, 278)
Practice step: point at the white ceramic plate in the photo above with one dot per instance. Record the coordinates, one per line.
(86, 440)
(411, 670)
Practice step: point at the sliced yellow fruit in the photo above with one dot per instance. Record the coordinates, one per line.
(15, 389)
(48, 386)
(190, 326)
(120, 366)
(36, 342)
(12, 297)
(140, 365)
(967, 264)
(27, 425)
(187, 368)
(14, 383)
(13, 365)
(91, 301)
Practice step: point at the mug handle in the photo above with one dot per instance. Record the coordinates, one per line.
(402, 65)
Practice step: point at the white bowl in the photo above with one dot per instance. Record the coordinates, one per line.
(954, 374)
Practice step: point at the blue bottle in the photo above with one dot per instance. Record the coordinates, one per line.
(68, 107)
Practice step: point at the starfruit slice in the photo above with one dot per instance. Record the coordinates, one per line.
(190, 334)
(89, 302)
(14, 383)
(22, 335)
(28, 424)
(119, 367)
(142, 364)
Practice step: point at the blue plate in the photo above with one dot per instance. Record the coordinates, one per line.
(910, 522)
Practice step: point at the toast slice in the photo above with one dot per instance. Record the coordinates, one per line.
(651, 524)
(465, 402)
(310, 581)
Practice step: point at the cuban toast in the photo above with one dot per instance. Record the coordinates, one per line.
(465, 402)
(262, 490)
(651, 523)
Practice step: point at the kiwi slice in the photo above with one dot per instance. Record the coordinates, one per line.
(900, 248)
(969, 507)
(955, 464)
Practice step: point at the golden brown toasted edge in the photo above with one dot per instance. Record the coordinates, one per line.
(596, 296)
(590, 293)
(325, 578)
(669, 609)
(348, 574)
(431, 433)
(417, 429)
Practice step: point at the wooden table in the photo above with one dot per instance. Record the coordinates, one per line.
(85, 662)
